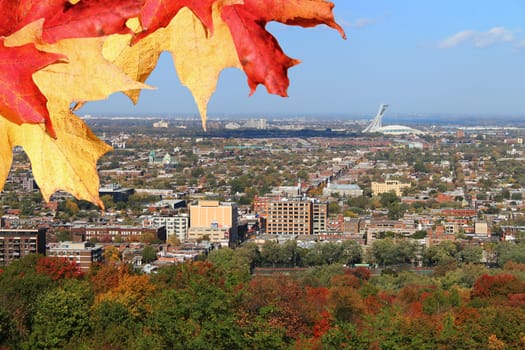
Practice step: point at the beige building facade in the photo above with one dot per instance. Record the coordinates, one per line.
(389, 186)
(214, 215)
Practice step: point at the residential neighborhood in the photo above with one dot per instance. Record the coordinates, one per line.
(168, 191)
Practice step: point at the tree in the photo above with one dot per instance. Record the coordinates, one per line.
(510, 251)
(270, 253)
(111, 254)
(420, 167)
(62, 314)
(7, 330)
(131, 291)
(471, 254)
(352, 252)
(280, 305)
(345, 304)
(343, 334)
(441, 253)
(291, 254)
(71, 207)
(387, 252)
(107, 200)
(334, 208)
(149, 254)
(63, 235)
(113, 325)
(234, 264)
(58, 268)
(21, 285)
(396, 211)
(194, 309)
(388, 198)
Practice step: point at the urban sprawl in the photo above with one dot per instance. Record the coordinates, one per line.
(183, 194)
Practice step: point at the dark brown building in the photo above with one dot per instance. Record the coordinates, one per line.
(15, 244)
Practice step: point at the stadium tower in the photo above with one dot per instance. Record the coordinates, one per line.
(377, 123)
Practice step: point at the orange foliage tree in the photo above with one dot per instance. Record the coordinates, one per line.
(58, 268)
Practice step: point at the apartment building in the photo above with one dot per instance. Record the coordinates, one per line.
(15, 244)
(296, 217)
(290, 217)
(319, 218)
(83, 253)
(176, 225)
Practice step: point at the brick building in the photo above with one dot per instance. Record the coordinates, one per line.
(296, 217)
(84, 254)
(15, 244)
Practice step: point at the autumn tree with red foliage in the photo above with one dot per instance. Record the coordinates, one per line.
(283, 304)
(497, 287)
(58, 268)
(104, 277)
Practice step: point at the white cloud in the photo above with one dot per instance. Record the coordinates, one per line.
(478, 39)
(358, 23)
(361, 22)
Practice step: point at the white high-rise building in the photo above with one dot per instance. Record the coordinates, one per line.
(175, 225)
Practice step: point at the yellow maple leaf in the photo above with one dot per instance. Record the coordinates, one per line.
(56, 163)
(198, 58)
(6, 156)
(68, 162)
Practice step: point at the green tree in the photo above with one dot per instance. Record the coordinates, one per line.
(7, 329)
(387, 252)
(108, 201)
(62, 315)
(113, 326)
(343, 334)
(334, 208)
(396, 211)
(194, 309)
(388, 198)
(510, 251)
(420, 167)
(471, 254)
(352, 253)
(20, 286)
(441, 253)
(234, 264)
(270, 253)
(149, 254)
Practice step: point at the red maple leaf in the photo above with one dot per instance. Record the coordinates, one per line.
(90, 18)
(20, 99)
(8, 19)
(263, 60)
(158, 14)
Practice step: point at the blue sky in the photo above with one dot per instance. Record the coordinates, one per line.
(425, 57)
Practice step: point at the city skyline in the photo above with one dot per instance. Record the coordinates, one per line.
(433, 57)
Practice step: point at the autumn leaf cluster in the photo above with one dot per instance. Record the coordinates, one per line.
(61, 53)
